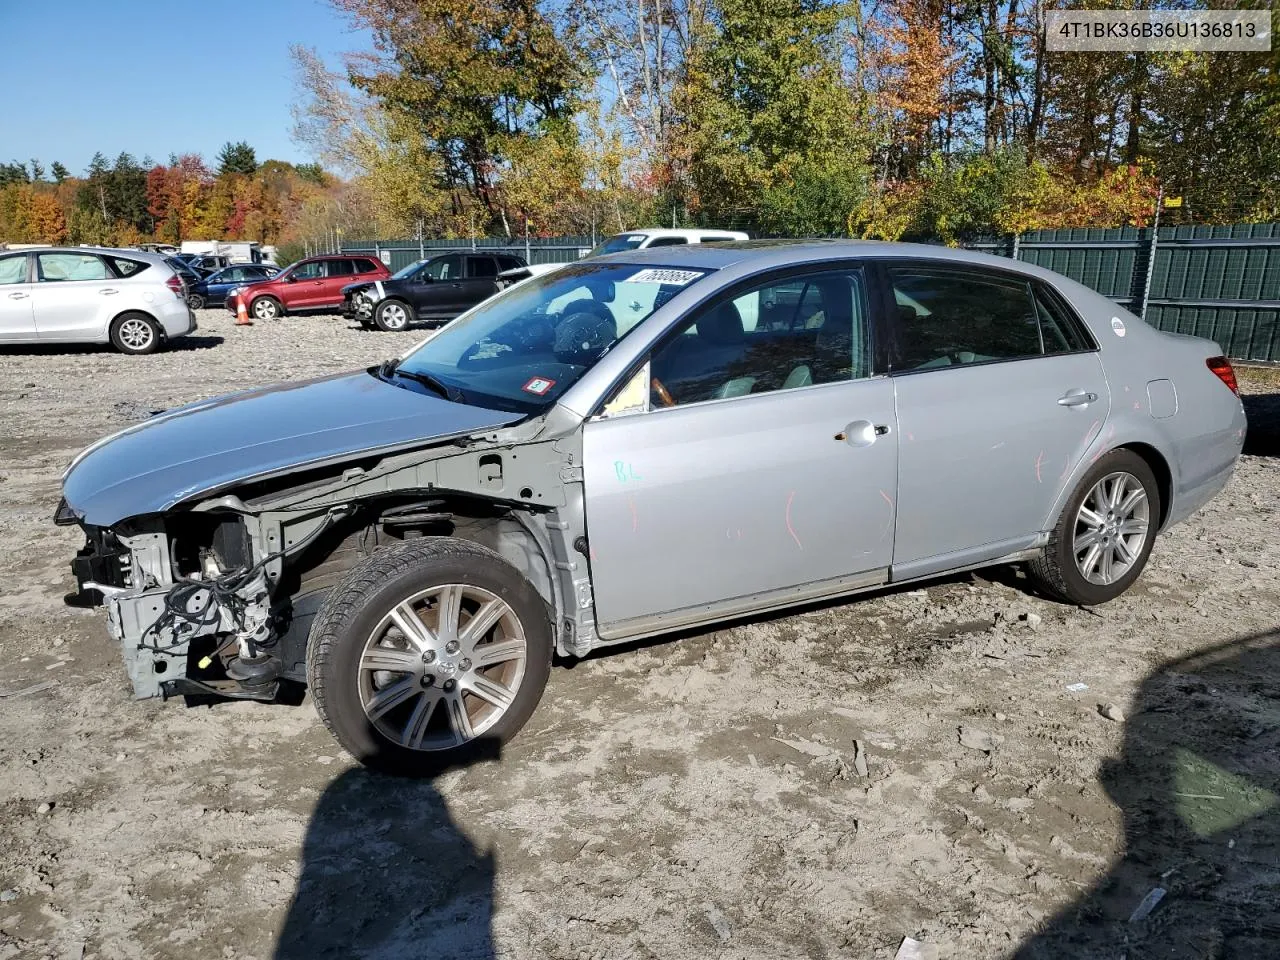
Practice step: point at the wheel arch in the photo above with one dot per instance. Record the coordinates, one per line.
(1163, 474)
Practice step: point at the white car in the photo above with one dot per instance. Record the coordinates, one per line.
(131, 299)
(631, 240)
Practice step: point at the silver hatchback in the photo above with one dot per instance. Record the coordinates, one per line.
(631, 445)
(129, 298)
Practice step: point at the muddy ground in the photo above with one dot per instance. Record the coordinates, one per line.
(696, 797)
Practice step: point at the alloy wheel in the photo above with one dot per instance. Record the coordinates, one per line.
(394, 316)
(442, 667)
(1111, 528)
(136, 334)
(264, 309)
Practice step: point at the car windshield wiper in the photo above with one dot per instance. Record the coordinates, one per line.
(389, 369)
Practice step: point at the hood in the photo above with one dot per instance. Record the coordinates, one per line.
(350, 287)
(207, 446)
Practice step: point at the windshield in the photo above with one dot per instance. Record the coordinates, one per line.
(523, 348)
(623, 241)
(404, 273)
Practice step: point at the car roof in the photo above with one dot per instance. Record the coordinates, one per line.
(766, 254)
(144, 255)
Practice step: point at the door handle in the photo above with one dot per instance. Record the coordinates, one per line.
(862, 433)
(19, 296)
(108, 292)
(1076, 398)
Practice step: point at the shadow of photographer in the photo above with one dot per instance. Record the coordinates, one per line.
(1198, 782)
(387, 874)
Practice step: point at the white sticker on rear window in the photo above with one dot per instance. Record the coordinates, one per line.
(677, 277)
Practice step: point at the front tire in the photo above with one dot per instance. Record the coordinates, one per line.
(429, 655)
(135, 334)
(392, 316)
(1104, 536)
(266, 308)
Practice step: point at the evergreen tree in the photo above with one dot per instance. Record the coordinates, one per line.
(237, 158)
(60, 172)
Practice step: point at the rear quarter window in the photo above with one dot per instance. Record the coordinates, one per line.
(127, 268)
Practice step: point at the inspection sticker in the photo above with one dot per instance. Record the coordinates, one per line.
(677, 277)
(1118, 326)
(538, 386)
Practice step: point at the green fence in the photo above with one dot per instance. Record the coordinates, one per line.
(1217, 282)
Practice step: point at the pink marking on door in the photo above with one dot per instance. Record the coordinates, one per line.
(790, 529)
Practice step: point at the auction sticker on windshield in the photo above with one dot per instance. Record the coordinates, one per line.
(538, 386)
(677, 277)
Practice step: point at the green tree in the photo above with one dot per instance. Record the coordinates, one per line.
(237, 158)
(60, 172)
(766, 103)
(468, 78)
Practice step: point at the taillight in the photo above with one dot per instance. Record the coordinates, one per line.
(1221, 368)
(174, 283)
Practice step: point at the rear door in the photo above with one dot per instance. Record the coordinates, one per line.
(479, 282)
(338, 273)
(74, 296)
(999, 392)
(17, 321)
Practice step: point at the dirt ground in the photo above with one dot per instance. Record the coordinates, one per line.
(694, 797)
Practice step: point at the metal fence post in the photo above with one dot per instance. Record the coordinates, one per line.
(1151, 255)
(1017, 237)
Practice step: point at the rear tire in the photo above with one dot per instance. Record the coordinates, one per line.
(195, 301)
(1101, 542)
(135, 333)
(397, 677)
(266, 308)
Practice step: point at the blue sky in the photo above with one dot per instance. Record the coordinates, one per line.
(156, 76)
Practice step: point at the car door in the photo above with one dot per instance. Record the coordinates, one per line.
(759, 468)
(337, 274)
(999, 392)
(17, 320)
(305, 286)
(74, 297)
(479, 282)
(439, 287)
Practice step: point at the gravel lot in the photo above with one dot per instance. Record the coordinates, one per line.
(698, 797)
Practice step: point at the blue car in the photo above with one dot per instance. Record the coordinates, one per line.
(212, 290)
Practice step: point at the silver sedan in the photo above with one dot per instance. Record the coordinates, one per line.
(636, 444)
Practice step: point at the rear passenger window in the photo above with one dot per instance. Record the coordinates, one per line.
(945, 319)
(339, 268)
(365, 266)
(1062, 332)
(70, 266)
(482, 267)
(509, 263)
(127, 268)
(778, 336)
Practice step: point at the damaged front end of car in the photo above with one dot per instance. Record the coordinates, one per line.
(189, 597)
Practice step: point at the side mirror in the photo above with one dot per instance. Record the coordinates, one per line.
(291, 278)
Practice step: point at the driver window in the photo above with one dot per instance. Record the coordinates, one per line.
(445, 268)
(309, 271)
(778, 336)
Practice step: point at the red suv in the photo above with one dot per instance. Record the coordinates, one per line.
(312, 284)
